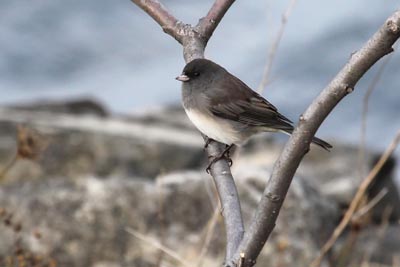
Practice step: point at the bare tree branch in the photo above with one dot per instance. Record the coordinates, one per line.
(209, 23)
(229, 201)
(163, 17)
(194, 41)
(212, 223)
(298, 145)
(197, 37)
(274, 47)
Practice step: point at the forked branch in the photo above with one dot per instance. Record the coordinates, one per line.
(162, 16)
(209, 23)
(194, 41)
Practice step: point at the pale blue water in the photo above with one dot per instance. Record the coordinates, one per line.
(113, 51)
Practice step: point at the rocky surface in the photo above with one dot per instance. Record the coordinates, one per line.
(87, 144)
(83, 222)
(98, 174)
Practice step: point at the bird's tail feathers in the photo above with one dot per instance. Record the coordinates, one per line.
(315, 140)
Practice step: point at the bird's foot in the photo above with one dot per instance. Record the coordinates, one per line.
(223, 155)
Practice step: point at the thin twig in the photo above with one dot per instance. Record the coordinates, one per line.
(212, 194)
(274, 47)
(356, 200)
(159, 246)
(209, 235)
(161, 219)
(344, 256)
(370, 205)
(162, 16)
(10, 164)
(208, 24)
(380, 234)
(363, 130)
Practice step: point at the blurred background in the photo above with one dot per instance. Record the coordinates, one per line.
(96, 171)
(114, 52)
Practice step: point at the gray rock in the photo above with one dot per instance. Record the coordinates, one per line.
(78, 145)
(77, 106)
(83, 222)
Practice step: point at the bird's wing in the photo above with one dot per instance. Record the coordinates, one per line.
(239, 103)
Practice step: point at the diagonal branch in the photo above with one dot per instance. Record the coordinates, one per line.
(162, 16)
(209, 23)
(298, 145)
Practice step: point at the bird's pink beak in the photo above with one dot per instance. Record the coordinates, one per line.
(183, 78)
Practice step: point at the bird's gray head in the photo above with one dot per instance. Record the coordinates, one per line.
(199, 68)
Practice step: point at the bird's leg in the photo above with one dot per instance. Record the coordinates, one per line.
(224, 154)
(228, 153)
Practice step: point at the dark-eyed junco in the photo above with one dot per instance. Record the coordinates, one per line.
(225, 109)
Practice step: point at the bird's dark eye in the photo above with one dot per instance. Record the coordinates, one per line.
(196, 74)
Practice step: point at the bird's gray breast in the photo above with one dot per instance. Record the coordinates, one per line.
(187, 98)
(194, 98)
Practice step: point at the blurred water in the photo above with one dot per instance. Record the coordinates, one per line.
(115, 52)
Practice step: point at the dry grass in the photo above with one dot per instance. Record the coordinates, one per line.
(356, 201)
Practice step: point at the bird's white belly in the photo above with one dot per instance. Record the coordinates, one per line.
(215, 128)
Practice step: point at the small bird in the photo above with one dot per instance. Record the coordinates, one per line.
(225, 109)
